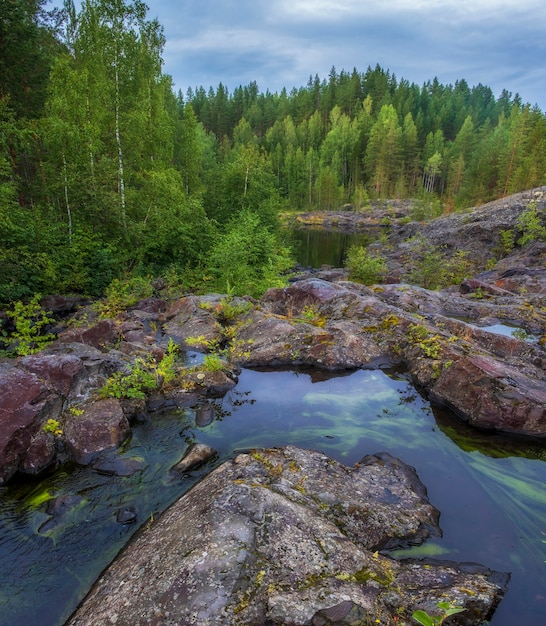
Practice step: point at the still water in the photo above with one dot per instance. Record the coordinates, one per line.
(490, 490)
(317, 247)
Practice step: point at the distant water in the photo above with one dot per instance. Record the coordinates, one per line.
(315, 247)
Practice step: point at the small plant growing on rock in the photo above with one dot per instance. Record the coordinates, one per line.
(121, 294)
(30, 319)
(53, 426)
(429, 344)
(530, 223)
(447, 608)
(144, 376)
(311, 315)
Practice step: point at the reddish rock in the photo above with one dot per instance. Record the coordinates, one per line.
(188, 319)
(101, 335)
(24, 403)
(195, 456)
(57, 371)
(489, 393)
(102, 426)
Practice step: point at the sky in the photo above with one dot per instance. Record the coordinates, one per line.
(280, 43)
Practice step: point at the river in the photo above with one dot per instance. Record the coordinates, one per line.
(489, 489)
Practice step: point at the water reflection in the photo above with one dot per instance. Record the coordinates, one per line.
(317, 247)
(489, 489)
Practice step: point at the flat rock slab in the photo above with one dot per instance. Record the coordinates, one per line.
(288, 536)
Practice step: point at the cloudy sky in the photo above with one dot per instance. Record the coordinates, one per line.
(280, 43)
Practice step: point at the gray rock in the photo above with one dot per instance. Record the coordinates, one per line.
(287, 536)
(195, 456)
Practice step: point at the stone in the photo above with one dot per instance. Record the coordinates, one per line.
(25, 404)
(102, 426)
(195, 456)
(288, 536)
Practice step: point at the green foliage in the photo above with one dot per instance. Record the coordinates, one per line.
(363, 267)
(311, 315)
(122, 294)
(434, 267)
(105, 172)
(447, 608)
(227, 311)
(248, 259)
(143, 376)
(531, 225)
(506, 242)
(429, 344)
(30, 320)
(53, 426)
(213, 363)
(135, 384)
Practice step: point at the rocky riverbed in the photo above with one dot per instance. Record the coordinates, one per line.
(52, 412)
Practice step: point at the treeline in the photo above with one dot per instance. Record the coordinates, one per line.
(106, 172)
(356, 136)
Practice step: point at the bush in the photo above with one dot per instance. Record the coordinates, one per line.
(363, 267)
(248, 259)
(530, 223)
(30, 320)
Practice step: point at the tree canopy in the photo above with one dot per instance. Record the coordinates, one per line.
(105, 171)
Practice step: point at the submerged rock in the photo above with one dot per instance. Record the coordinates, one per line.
(288, 536)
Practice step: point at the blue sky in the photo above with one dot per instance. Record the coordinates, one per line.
(279, 43)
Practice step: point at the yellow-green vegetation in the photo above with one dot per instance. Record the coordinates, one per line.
(227, 310)
(30, 320)
(429, 343)
(364, 267)
(446, 608)
(225, 347)
(145, 375)
(433, 268)
(310, 314)
(531, 226)
(122, 294)
(53, 426)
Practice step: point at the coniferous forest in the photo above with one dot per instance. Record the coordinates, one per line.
(107, 173)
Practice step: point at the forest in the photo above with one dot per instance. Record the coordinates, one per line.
(107, 174)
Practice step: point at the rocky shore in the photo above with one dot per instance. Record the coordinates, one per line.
(478, 347)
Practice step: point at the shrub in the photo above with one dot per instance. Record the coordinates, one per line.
(30, 320)
(363, 267)
(530, 223)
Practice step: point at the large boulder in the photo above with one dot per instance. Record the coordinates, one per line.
(101, 426)
(288, 536)
(25, 404)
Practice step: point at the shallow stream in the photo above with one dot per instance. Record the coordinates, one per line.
(490, 490)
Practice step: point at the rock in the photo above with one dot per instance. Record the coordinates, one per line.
(58, 371)
(192, 320)
(491, 394)
(25, 404)
(196, 455)
(114, 465)
(101, 335)
(211, 384)
(126, 516)
(59, 509)
(102, 426)
(204, 415)
(288, 536)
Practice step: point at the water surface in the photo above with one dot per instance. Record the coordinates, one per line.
(489, 489)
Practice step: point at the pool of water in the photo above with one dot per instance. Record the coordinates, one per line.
(490, 490)
(314, 247)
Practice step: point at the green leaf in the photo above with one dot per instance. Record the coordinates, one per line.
(423, 618)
